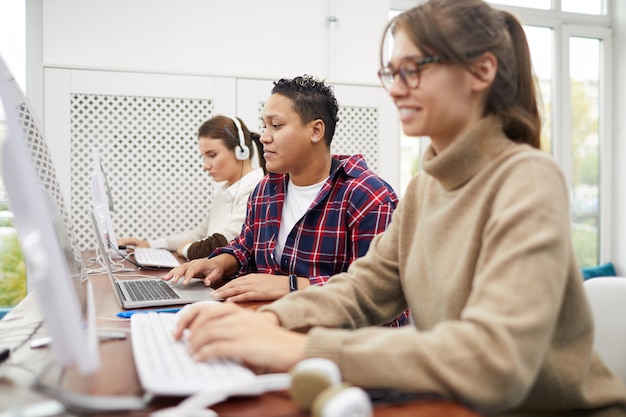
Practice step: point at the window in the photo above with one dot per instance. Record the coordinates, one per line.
(13, 50)
(583, 6)
(533, 4)
(585, 116)
(570, 43)
(593, 7)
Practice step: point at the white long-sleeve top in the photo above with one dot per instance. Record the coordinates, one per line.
(226, 214)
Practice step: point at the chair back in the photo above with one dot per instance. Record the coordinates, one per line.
(607, 296)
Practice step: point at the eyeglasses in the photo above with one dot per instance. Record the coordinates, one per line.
(409, 69)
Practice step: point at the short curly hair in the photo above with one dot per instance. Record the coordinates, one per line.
(312, 99)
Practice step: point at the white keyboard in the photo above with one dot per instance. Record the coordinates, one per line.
(164, 366)
(154, 257)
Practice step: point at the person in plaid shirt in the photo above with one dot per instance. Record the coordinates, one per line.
(310, 217)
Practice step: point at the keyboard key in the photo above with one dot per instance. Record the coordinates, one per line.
(154, 289)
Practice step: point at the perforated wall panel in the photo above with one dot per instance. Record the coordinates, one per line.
(148, 149)
(40, 155)
(357, 133)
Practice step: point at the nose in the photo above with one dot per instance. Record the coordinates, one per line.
(206, 164)
(398, 87)
(265, 137)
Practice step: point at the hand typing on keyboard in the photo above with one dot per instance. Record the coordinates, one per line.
(218, 330)
(210, 270)
(165, 367)
(185, 335)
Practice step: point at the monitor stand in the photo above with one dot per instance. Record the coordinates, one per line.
(87, 393)
(105, 390)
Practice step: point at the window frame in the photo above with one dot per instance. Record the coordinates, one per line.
(563, 155)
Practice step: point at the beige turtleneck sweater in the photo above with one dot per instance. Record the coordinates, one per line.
(480, 251)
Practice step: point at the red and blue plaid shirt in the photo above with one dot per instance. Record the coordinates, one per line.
(353, 206)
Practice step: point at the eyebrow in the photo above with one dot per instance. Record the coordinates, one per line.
(411, 57)
(268, 117)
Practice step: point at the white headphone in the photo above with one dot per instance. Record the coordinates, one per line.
(316, 386)
(242, 152)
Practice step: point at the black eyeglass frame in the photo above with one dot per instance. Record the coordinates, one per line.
(387, 76)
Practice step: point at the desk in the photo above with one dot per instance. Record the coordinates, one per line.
(117, 376)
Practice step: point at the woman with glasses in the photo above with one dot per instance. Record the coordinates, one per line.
(479, 248)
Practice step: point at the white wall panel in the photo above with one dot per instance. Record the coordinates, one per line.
(272, 38)
(99, 54)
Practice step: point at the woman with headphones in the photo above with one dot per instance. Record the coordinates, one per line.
(226, 147)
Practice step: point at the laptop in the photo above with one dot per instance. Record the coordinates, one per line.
(138, 293)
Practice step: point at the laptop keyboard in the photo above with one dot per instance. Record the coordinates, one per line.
(165, 367)
(149, 289)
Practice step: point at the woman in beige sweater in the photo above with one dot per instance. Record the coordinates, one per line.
(479, 249)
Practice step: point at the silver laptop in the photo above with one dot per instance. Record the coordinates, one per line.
(137, 293)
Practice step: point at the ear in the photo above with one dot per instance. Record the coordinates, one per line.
(318, 128)
(484, 70)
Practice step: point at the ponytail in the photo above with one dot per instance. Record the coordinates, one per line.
(521, 120)
(256, 139)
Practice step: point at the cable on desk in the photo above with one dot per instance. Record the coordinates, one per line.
(30, 328)
(119, 267)
(132, 273)
(385, 396)
(123, 255)
(127, 258)
(30, 336)
(6, 353)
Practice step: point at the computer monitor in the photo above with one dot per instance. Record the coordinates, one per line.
(43, 234)
(102, 202)
(42, 160)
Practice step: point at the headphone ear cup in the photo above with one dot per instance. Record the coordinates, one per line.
(310, 377)
(341, 401)
(242, 152)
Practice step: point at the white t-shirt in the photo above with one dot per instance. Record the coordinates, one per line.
(297, 202)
